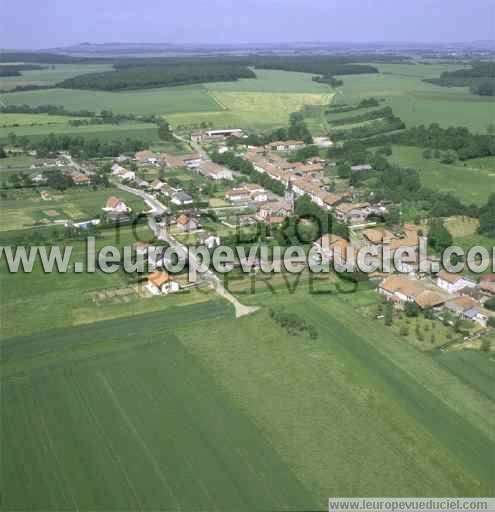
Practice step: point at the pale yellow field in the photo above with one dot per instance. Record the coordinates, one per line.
(251, 109)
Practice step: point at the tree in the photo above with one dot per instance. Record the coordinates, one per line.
(411, 309)
(389, 314)
(439, 236)
(485, 346)
(427, 153)
(491, 322)
(344, 170)
(404, 330)
(164, 131)
(2, 153)
(449, 157)
(487, 217)
(490, 304)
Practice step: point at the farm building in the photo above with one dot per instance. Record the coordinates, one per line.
(161, 283)
(453, 283)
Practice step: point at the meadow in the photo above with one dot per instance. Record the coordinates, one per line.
(52, 74)
(471, 181)
(164, 408)
(417, 102)
(146, 132)
(94, 419)
(21, 209)
(358, 411)
(192, 98)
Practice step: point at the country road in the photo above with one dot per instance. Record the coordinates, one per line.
(162, 234)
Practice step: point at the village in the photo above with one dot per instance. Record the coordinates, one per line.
(223, 200)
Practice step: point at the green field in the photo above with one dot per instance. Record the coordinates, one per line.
(22, 209)
(96, 420)
(164, 408)
(191, 98)
(16, 120)
(417, 102)
(471, 181)
(262, 103)
(104, 132)
(51, 75)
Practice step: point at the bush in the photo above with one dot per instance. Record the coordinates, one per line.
(490, 304)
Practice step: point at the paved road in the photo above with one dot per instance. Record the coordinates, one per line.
(162, 234)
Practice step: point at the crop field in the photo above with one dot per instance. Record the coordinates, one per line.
(471, 181)
(191, 98)
(16, 120)
(474, 368)
(22, 209)
(273, 81)
(36, 301)
(417, 102)
(51, 75)
(260, 103)
(104, 132)
(155, 429)
(357, 411)
(164, 407)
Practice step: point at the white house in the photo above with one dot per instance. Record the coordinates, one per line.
(215, 171)
(209, 240)
(161, 283)
(453, 283)
(115, 205)
(192, 161)
(181, 199)
(122, 173)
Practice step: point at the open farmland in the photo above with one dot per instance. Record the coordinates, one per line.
(104, 132)
(17, 120)
(471, 181)
(165, 100)
(417, 102)
(154, 430)
(357, 411)
(52, 74)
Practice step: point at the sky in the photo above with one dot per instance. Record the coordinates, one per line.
(33, 24)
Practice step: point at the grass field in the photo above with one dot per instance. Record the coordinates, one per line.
(261, 103)
(104, 132)
(164, 408)
(191, 98)
(358, 411)
(51, 75)
(94, 420)
(15, 120)
(22, 209)
(472, 181)
(417, 102)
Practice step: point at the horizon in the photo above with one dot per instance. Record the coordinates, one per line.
(219, 23)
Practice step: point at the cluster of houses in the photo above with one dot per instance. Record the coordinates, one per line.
(454, 293)
(430, 289)
(306, 178)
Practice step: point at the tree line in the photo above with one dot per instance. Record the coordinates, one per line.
(480, 78)
(157, 75)
(78, 147)
(17, 69)
(459, 139)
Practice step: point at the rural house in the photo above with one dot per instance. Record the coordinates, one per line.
(161, 283)
(453, 283)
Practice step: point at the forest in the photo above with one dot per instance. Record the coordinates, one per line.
(480, 78)
(16, 69)
(157, 75)
(459, 139)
